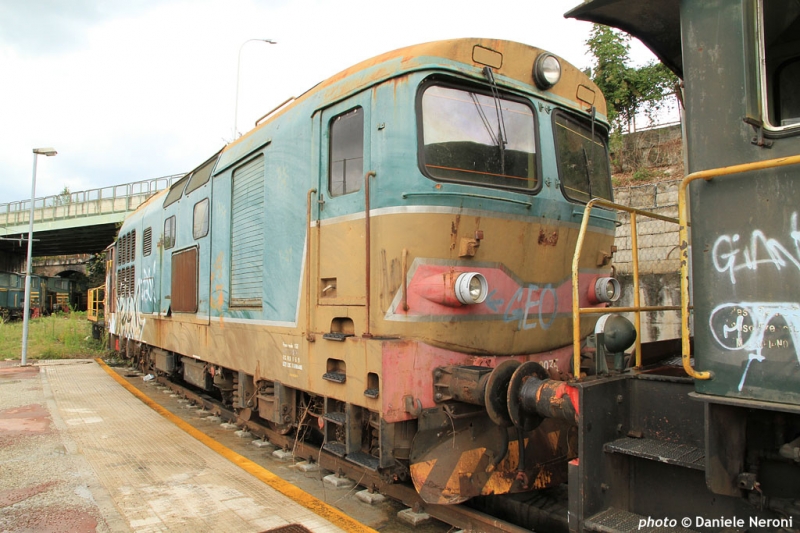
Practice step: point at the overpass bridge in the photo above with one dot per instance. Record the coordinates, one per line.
(75, 223)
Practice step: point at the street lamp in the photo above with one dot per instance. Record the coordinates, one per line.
(238, 68)
(27, 309)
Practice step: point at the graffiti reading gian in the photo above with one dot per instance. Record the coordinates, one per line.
(731, 254)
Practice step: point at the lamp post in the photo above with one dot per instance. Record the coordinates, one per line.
(27, 308)
(238, 68)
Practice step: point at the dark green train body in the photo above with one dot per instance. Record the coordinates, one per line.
(726, 433)
(48, 294)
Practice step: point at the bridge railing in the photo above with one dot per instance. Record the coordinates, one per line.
(106, 200)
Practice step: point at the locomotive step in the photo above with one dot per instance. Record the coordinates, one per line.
(364, 459)
(335, 417)
(336, 448)
(613, 520)
(658, 450)
(336, 377)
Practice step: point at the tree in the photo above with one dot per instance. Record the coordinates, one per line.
(628, 90)
(64, 197)
(96, 267)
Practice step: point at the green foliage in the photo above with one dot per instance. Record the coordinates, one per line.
(59, 336)
(96, 268)
(628, 90)
(64, 197)
(648, 174)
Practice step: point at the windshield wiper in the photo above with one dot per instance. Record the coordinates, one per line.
(484, 119)
(501, 125)
(588, 172)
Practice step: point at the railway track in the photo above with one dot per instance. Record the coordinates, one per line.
(458, 516)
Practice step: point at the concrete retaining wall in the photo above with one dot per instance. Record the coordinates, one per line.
(659, 258)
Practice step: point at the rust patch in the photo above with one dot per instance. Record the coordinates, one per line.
(19, 372)
(548, 239)
(454, 232)
(32, 418)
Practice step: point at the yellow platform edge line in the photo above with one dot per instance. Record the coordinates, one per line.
(296, 494)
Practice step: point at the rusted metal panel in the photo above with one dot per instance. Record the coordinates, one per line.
(184, 281)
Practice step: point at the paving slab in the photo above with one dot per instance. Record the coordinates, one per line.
(79, 451)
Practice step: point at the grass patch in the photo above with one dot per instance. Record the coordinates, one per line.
(58, 336)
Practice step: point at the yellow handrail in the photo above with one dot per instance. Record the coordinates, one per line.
(577, 310)
(683, 216)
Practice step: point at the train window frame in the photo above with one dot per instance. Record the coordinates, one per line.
(201, 175)
(599, 130)
(169, 232)
(772, 63)
(333, 138)
(200, 215)
(485, 92)
(176, 191)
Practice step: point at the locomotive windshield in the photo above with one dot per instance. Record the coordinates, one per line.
(582, 164)
(477, 138)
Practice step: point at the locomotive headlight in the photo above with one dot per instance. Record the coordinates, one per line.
(471, 288)
(546, 71)
(607, 290)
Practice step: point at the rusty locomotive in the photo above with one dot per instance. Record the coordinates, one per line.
(380, 260)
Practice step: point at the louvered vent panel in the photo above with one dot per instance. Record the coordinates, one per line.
(247, 239)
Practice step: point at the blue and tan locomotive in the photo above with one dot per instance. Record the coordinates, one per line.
(378, 259)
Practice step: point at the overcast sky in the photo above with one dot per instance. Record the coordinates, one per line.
(138, 89)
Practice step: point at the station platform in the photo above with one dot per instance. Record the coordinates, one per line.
(80, 452)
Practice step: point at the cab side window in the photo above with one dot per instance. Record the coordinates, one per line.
(346, 162)
(780, 53)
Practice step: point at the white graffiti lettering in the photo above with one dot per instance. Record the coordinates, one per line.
(729, 254)
(130, 323)
(145, 287)
(744, 326)
(531, 301)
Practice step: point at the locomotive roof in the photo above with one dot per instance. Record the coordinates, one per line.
(446, 53)
(656, 24)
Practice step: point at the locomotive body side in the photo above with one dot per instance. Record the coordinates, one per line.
(310, 271)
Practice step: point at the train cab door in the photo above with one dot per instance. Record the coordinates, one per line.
(344, 153)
